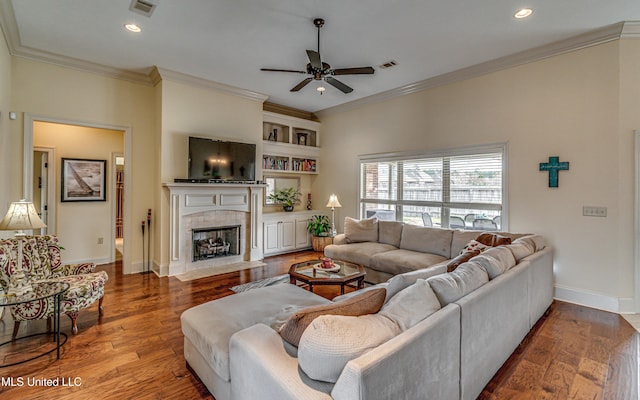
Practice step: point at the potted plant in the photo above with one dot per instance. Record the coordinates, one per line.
(319, 227)
(286, 196)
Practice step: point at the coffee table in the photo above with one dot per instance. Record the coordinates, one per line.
(349, 274)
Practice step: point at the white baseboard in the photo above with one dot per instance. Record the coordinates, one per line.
(593, 300)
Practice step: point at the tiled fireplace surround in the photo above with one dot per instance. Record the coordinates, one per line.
(197, 206)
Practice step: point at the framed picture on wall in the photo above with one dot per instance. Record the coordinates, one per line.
(83, 180)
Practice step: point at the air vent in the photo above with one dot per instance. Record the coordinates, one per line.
(388, 64)
(143, 7)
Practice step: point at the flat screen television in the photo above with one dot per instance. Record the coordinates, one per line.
(221, 160)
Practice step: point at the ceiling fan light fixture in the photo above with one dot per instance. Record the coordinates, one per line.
(133, 28)
(523, 13)
(321, 89)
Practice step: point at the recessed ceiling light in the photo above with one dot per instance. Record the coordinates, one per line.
(523, 13)
(133, 28)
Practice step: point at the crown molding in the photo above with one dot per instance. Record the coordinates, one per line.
(161, 73)
(631, 29)
(592, 38)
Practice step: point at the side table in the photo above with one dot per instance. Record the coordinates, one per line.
(41, 290)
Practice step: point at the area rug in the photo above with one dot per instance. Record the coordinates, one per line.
(219, 270)
(274, 280)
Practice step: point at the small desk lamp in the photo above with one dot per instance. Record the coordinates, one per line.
(21, 215)
(333, 203)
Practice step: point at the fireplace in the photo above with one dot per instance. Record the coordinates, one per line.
(215, 242)
(195, 208)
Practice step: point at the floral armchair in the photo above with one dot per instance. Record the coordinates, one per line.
(42, 263)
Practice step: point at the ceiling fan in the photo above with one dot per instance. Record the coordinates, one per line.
(322, 71)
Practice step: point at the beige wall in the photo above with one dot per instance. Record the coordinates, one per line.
(68, 141)
(189, 110)
(47, 90)
(7, 142)
(567, 106)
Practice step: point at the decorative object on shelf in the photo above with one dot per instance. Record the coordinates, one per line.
(286, 196)
(333, 203)
(553, 166)
(302, 138)
(83, 180)
(21, 215)
(309, 206)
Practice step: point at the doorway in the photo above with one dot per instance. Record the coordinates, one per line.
(94, 241)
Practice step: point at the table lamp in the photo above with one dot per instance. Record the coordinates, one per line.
(21, 215)
(333, 203)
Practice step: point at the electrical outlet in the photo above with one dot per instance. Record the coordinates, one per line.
(100, 240)
(589, 211)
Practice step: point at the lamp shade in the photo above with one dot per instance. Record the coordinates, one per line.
(21, 215)
(333, 201)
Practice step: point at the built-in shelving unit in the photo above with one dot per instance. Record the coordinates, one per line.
(290, 144)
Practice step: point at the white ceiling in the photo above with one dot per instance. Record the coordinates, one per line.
(228, 41)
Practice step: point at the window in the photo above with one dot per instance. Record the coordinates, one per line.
(459, 189)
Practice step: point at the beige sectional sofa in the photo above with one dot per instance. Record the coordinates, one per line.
(437, 336)
(388, 248)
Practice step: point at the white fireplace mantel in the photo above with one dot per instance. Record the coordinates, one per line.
(188, 199)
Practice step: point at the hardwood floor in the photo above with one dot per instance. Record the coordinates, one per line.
(135, 349)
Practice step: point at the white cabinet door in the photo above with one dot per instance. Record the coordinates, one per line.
(287, 235)
(303, 237)
(271, 237)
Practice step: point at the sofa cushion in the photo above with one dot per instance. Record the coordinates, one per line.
(493, 239)
(401, 261)
(461, 258)
(368, 302)
(401, 281)
(536, 241)
(390, 232)
(358, 253)
(331, 341)
(465, 279)
(411, 305)
(209, 326)
(364, 230)
(496, 261)
(426, 240)
(520, 250)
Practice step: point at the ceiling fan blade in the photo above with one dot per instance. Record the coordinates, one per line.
(353, 71)
(282, 70)
(301, 85)
(314, 59)
(338, 85)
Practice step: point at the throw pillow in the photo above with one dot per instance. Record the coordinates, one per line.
(331, 341)
(411, 305)
(461, 258)
(364, 230)
(368, 302)
(493, 239)
(474, 245)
